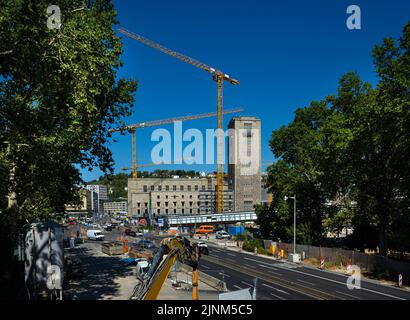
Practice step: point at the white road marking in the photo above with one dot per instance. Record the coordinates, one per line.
(237, 287)
(247, 283)
(274, 295)
(309, 283)
(278, 290)
(343, 283)
(271, 270)
(327, 279)
(349, 295)
(205, 267)
(231, 254)
(269, 267)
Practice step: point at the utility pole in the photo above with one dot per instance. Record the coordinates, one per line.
(294, 224)
(255, 283)
(294, 221)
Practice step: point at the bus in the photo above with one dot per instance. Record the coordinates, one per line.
(205, 229)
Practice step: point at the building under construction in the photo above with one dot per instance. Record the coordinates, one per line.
(154, 197)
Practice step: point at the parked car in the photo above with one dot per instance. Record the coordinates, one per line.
(95, 235)
(144, 243)
(222, 235)
(127, 231)
(132, 233)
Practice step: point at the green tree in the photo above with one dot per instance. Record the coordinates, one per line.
(59, 95)
(347, 158)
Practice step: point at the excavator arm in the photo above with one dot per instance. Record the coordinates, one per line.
(171, 249)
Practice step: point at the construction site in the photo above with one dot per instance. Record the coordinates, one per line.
(313, 204)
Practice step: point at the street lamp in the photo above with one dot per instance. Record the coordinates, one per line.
(294, 221)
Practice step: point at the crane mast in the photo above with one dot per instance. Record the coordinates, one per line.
(133, 127)
(219, 77)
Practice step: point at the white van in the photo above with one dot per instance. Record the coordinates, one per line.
(95, 235)
(222, 235)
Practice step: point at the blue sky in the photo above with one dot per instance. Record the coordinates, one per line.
(285, 54)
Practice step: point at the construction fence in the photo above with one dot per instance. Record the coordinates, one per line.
(368, 262)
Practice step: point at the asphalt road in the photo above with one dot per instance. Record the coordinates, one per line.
(278, 280)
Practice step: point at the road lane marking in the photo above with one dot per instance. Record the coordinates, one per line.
(307, 282)
(349, 295)
(261, 265)
(278, 290)
(247, 283)
(274, 272)
(276, 296)
(231, 254)
(252, 260)
(343, 283)
(237, 287)
(205, 267)
(292, 268)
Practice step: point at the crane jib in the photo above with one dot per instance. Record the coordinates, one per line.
(175, 54)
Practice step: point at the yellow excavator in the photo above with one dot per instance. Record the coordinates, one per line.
(171, 250)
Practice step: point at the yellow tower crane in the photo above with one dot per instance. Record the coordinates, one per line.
(133, 127)
(219, 77)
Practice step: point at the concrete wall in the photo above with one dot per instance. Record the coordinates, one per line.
(244, 169)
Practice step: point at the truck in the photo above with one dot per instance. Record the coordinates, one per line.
(95, 235)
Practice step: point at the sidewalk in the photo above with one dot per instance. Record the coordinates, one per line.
(107, 278)
(168, 292)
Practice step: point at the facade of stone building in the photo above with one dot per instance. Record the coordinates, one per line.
(115, 206)
(244, 167)
(172, 196)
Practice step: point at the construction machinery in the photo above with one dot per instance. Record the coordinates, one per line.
(171, 250)
(219, 77)
(133, 127)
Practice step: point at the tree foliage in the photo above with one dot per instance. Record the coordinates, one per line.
(59, 96)
(347, 159)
